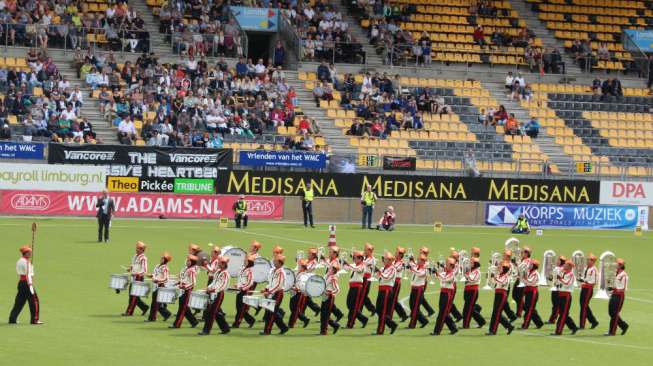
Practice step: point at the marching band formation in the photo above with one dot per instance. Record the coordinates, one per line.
(512, 273)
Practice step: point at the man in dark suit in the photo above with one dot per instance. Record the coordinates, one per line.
(105, 209)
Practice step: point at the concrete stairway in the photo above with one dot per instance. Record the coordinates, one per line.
(549, 41)
(546, 142)
(373, 60)
(158, 42)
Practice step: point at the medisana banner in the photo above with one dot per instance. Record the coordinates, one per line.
(21, 150)
(145, 161)
(161, 185)
(626, 193)
(187, 206)
(44, 177)
(409, 187)
(581, 216)
(293, 159)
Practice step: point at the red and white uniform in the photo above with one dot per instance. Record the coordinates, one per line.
(532, 278)
(161, 274)
(621, 282)
(418, 277)
(220, 282)
(212, 267)
(502, 281)
(245, 279)
(332, 287)
(139, 265)
(277, 281)
(473, 277)
(523, 268)
(370, 263)
(311, 265)
(399, 268)
(590, 277)
(387, 276)
(330, 262)
(557, 271)
(567, 281)
(25, 270)
(357, 271)
(447, 279)
(188, 278)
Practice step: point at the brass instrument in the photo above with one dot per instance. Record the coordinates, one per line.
(495, 260)
(408, 257)
(463, 262)
(607, 274)
(580, 263)
(513, 245)
(548, 265)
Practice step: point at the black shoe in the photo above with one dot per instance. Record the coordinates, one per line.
(510, 330)
(202, 333)
(490, 334)
(172, 327)
(306, 322)
(539, 326)
(258, 310)
(263, 333)
(454, 331)
(365, 323)
(145, 311)
(555, 334)
(235, 326)
(284, 331)
(99, 240)
(434, 334)
(313, 226)
(392, 328)
(14, 322)
(404, 319)
(573, 331)
(148, 321)
(336, 328)
(193, 325)
(317, 312)
(339, 317)
(166, 317)
(430, 314)
(424, 324)
(624, 329)
(459, 319)
(513, 319)
(481, 325)
(225, 331)
(249, 325)
(594, 325)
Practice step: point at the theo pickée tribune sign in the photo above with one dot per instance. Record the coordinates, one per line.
(409, 187)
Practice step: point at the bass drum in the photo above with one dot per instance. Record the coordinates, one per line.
(290, 279)
(237, 259)
(301, 280)
(315, 286)
(261, 270)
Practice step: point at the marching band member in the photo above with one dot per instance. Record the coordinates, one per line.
(159, 276)
(213, 264)
(507, 257)
(531, 280)
(332, 289)
(187, 281)
(254, 249)
(138, 268)
(476, 252)
(194, 249)
(399, 268)
(370, 264)
(417, 285)
(217, 287)
(522, 270)
(274, 290)
(333, 260)
(471, 309)
(586, 291)
(386, 281)
(355, 294)
(447, 290)
(429, 309)
(26, 292)
(245, 285)
(298, 300)
(311, 265)
(617, 298)
(567, 281)
(276, 250)
(455, 313)
(554, 289)
(502, 285)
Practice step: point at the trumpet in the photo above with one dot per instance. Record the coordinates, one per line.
(578, 258)
(607, 274)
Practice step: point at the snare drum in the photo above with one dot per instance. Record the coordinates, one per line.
(119, 281)
(261, 270)
(268, 304)
(237, 258)
(252, 301)
(166, 295)
(290, 279)
(198, 300)
(140, 289)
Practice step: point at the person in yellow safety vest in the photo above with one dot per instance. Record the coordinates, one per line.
(240, 211)
(521, 226)
(307, 206)
(368, 200)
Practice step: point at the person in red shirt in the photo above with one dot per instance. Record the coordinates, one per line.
(304, 125)
(512, 125)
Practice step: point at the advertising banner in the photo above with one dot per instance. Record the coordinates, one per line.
(293, 159)
(582, 216)
(626, 193)
(161, 185)
(409, 187)
(256, 19)
(44, 177)
(399, 163)
(21, 150)
(50, 203)
(145, 161)
(643, 39)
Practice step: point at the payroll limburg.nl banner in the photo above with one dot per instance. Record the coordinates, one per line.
(145, 161)
(409, 187)
(581, 216)
(44, 177)
(50, 203)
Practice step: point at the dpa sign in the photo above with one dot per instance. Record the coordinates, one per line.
(626, 193)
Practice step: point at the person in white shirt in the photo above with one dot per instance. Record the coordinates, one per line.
(68, 113)
(510, 79)
(617, 298)
(216, 290)
(531, 281)
(386, 276)
(126, 131)
(567, 282)
(417, 285)
(502, 285)
(274, 291)
(26, 292)
(587, 282)
(471, 309)
(138, 269)
(260, 68)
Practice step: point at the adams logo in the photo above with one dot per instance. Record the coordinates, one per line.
(260, 207)
(39, 202)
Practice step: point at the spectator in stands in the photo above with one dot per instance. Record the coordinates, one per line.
(479, 36)
(611, 88)
(532, 128)
(279, 54)
(357, 128)
(526, 93)
(603, 52)
(510, 81)
(470, 164)
(5, 132)
(126, 131)
(511, 126)
(596, 85)
(323, 72)
(500, 116)
(516, 90)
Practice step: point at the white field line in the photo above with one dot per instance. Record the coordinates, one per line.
(582, 340)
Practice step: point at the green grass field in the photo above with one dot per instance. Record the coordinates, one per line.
(84, 326)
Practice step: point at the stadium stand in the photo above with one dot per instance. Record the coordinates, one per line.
(592, 29)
